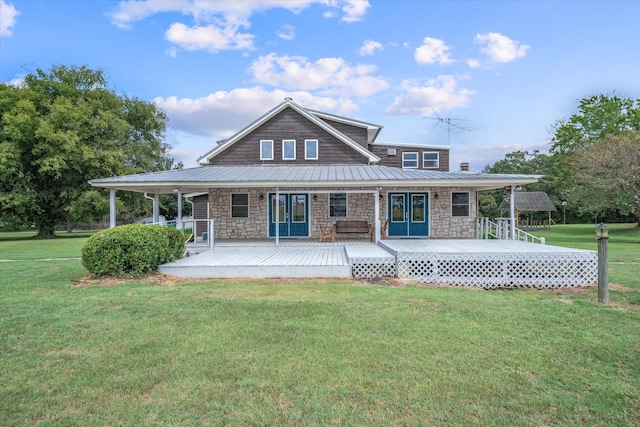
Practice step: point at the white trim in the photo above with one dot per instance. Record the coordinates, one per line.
(231, 205)
(417, 160)
(294, 149)
(261, 152)
(411, 145)
(306, 154)
(437, 153)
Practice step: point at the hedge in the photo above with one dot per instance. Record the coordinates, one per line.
(131, 250)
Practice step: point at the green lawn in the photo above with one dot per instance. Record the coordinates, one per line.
(224, 352)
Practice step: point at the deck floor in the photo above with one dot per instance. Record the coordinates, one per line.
(467, 261)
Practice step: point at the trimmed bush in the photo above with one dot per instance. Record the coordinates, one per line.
(176, 243)
(130, 250)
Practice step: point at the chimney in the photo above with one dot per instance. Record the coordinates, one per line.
(464, 167)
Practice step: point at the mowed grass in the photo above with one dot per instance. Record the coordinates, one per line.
(226, 352)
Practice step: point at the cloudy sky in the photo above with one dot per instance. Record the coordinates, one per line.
(502, 72)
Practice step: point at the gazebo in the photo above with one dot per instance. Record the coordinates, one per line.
(535, 201)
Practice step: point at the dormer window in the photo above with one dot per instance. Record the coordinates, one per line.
(430, 160)
(289, 149)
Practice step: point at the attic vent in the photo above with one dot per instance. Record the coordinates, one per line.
(391, 152)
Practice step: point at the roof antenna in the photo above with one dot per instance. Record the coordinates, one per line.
(448, 121)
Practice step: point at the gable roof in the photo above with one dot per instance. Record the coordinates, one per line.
(312, 117)
(534, 201)
(372, 130)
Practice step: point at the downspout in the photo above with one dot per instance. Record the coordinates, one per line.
(156, 207)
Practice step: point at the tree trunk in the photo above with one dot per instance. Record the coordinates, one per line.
(46, 231)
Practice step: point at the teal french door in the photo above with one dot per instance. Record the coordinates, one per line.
(408, 215)
(292, 211)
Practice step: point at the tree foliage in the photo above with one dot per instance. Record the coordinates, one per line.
(61, 128)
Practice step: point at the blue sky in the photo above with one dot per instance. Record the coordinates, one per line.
(503, 71)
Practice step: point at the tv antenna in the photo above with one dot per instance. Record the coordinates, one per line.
(449, 121)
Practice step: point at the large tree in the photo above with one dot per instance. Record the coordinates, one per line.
(61, 128)
(608, 175)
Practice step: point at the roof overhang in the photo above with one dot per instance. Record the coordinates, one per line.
(305, 177)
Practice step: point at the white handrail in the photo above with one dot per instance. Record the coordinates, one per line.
(487, 229)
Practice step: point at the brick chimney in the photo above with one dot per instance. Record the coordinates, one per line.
(464, 167)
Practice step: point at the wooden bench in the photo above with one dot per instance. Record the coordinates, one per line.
(353, 227)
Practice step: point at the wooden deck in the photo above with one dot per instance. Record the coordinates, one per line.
(464, 262)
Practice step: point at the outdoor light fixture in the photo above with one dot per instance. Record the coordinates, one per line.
(602, 231)
(261, 196)
(315, 197)
(436, 197)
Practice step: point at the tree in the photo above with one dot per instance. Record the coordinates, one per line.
(608, 175)
(63, 127)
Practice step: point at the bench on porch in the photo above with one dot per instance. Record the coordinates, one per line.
(345, 227)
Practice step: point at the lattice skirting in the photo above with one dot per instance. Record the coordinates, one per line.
(501, 270)
(371, 268)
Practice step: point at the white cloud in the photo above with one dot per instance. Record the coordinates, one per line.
(499, 48)
(369, 47)
(210, 37)
(433, 51)
(216, 24)
(473, 63)
(221, 114)
(328, 76)
(287, 32)
(441, 93)
(8, 15)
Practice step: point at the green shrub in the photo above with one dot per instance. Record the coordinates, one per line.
(130, 250)
(176, 243)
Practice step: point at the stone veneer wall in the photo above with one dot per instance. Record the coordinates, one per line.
(360, 207)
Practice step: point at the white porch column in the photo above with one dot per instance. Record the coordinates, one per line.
(179, 217)
(277, 203)
(376, 205)
(112, 208)
(512, 212)
(156, 208)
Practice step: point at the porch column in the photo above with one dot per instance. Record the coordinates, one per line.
(156, 208)
(179, 217)
(512, 212)
(277, 203)
(112, 208)
(376, 205)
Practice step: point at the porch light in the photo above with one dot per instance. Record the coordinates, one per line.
(261, 196)
(602, 231)
(436, 197)
(315, 197)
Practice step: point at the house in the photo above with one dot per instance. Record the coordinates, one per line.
(295, 171)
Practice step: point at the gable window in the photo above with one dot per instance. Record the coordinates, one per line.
(430, 159)
(311, 149)
(239, 205)
(266, 150)
(338, 205)
(460, 204)
(410, 160)
(289, 149)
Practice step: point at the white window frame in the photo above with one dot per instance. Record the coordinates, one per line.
(231, 205)
(346, 205)
(285, 141)
(306, 149)
(262, 142)
(424, 161)
(404, 160)
(468, 204)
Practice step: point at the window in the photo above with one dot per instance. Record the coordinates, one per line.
(459, 204)
(338, 205)
(311, 149)
(430, 159)
(289, 149)
(410, 160)
(266, 150)
(239, 205)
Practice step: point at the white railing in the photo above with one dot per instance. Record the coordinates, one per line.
(487, 229)
(201, 231)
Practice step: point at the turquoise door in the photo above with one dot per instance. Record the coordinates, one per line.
(293, 215)
(408, 215)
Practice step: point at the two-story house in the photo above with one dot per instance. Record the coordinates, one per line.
(294, 170)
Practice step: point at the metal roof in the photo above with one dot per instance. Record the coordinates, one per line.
(534, 201)
(304, 176)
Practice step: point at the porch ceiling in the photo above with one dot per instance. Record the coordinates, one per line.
(311, 177)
